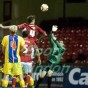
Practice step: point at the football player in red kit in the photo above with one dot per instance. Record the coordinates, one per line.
(27, 60)
(33, 29)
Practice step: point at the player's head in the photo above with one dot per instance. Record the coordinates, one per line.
(25, 33)
(31, 19)
(13, 29)
(61, 42)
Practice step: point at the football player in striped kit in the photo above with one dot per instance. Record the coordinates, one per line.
(12, 45)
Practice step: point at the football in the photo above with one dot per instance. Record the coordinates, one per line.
(44, 7)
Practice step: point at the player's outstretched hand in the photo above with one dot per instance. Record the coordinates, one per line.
(54, 28)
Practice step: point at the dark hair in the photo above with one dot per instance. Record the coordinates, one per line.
(25, 33)
(30, 18)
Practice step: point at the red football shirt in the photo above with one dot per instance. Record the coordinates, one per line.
(33, 30)
(26, 55)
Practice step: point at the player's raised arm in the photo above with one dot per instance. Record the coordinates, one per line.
(5, 27)
(41, 30)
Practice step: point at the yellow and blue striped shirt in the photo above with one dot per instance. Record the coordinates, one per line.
(12, 45)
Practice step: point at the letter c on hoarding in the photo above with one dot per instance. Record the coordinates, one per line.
(71, 76)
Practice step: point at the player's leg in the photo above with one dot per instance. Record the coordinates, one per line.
(17, 70)
(31, 80)
(25, 70)
(6, 70)
(21, 81)
(40, 78)
(5, 81)
(13, 82)
(49, 75)
(43, 74)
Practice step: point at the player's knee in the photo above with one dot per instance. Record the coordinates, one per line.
(43, 74)
(50, 72)
(31, 82)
